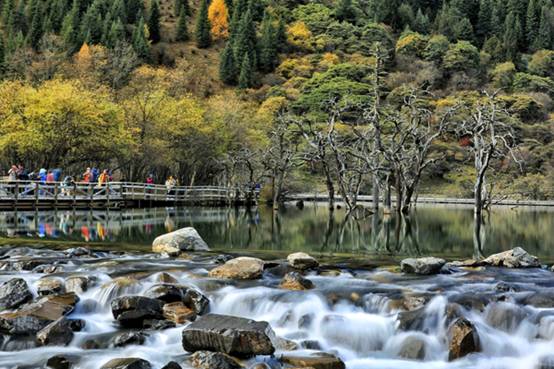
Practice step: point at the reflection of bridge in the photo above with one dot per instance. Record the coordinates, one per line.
(68, 222)
(38, 195)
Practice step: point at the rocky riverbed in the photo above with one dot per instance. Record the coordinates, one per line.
(84, 309)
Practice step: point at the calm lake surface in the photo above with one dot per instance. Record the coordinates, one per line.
(431, 230)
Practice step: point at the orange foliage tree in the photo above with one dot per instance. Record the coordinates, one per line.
(218, 15)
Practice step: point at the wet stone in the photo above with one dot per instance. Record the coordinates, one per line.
(213, 360)
(412, 348)
(59, 362)
(239, 268)
(320, 360)
(294, 281)
(462, 339)
(158, 324)
(166, 292)
(50, 286)
(172, 365)
(228, 334)
(422, 266)
(302, 261)
(59, 332)
(515, 258)
(186, 239)
(129, 338)
(177, 312)
(127, 363)
(77, 284)
(131, 311)
(14, 293)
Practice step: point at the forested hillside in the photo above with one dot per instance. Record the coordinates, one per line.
(293, 93)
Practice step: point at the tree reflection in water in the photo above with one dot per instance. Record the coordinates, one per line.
(430, 230)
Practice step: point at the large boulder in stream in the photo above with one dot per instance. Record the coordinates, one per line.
(59, 332)
(462, 339)
(422, 266)
(514, 258)
(170, 293)
(185, 239)
(132, 311)
(302, 261)
(33, 317)
(239, 268)
(14, 293)
(230, 335)
(127, 363)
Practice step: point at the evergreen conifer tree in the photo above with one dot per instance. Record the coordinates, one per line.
(227, 66)
(543, 40)
(483, 28)
(281, 36)
(246, 70)
(118, 11)
(245, 42)
(239, 8)
(182, 33)
(91, 27)
(117, 33)
(533, 21)
(140, 41)
(71, 30)
(463, 30)
(134, 10)
(154, 22)
(36, 31)
(2, 56)
(345, 11)
(203, 28)
(268, 47)
(178, 4)
(512, 36)
(421, 23)
(229, 4)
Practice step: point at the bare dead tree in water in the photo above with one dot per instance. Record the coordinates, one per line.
(243, 169)
(397, 146)
(491, 137)
(281, 155)
(317, 152)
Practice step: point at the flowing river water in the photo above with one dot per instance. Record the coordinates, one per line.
(356, 314)
(370, 317)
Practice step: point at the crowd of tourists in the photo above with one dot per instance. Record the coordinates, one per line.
(93, 176)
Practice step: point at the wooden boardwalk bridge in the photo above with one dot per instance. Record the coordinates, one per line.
(113, 195)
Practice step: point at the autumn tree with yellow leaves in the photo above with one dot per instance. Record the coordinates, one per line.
(219, 19)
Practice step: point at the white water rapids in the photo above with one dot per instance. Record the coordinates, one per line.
(353, 314)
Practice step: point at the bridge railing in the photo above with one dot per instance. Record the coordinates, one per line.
(113, 191)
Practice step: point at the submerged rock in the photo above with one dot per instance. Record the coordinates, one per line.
(14, 293)
(172, 365)
(239, 268)
(129, 338)
(127, 363)
(462, 339)
(131, 311)
(422, 266)
(294, 281)
(228, 334)
(59, 332)
(186, 239)
(515, 258)
(213, 360)
(320, 360)
(302, 261)
(59, 362)
(412, 348)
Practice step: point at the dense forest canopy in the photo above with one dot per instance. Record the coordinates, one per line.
(292, 93)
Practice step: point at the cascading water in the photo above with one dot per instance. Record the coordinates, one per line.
(370, 319)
